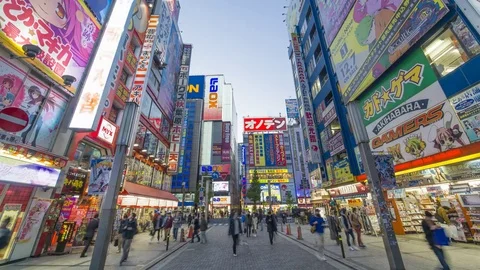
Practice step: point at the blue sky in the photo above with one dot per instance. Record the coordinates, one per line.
(246, 40)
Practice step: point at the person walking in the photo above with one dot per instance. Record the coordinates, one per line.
(189, 219)
(357, 226)
(203, 230)
(129, 230)
(334, 226)
(92, 226)
(429, 227)
(167, 226)
(347, 224)
(177, 224)
(157, 222)
(271, 225)
(119, 236)
(196, 228)
(244, 219)
(260, 219)
(255, 224)
(235, 229)
(249, 222)
(317, 221)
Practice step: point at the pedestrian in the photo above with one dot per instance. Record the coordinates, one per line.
(203, 229)
(189, 219)
(260, 219)
(255, 224)
(347, 224)
(196, 228)
(271, 225)
(317, 223)
(357, 226)
(428, 228)
(284, 218)
(167, 226)
(249, 222)
(157, 222)
(235, 229)
(244, 218)
(334, 226)
(177, 224)
(129, 230)
(119, 237)
(89, 234)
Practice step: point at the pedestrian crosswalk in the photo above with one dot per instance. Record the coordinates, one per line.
(220, 224)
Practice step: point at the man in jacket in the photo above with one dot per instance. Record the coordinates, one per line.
(318, 222)
(357, 226)
(347, 224)
(168, 223)
(157, 222)
(177, 224)
(235, 229)
(196, 228)
(271, 225)
(129, 230)
(119, 236)
(249, 222)
(203, 229)
(90, 233)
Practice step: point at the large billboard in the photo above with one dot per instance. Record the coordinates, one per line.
(332, 14)
(269, 143)
(66, 35)
(95, 89)
(266, 150)
(226, 134)
(251, 150)
(467, 107)
(273, 175)
(196, 87)
(212, 108)
(259, 149)
(375, 34)
(308, 122)
(261, 124)
(292, 108)
(280, 156)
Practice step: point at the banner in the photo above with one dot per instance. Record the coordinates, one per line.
(251, 151)
(283, 158)
(292, 108)
(259, 151)
(308, 122)
(335, 144)
(212, 108)
(196, 87)
(374, 35)
(270, 160)
(255, 124)
(74, 182)
(329, 114)
(431, 132)
(385, 170)
(217, 150)
(100, 172)
(332, 14)
(226, 134)
(341, 172)
(34, 219)
(409, 89)
(278, 150)
(467, 107)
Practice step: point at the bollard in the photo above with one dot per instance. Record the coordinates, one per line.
(281, 226)
(341, 244)
(289, 231)
(182, 235)
(168, 239)
(299, 233)
(190, 232)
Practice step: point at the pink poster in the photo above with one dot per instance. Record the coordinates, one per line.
(34, 219)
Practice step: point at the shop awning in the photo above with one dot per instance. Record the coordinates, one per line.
(141, 190)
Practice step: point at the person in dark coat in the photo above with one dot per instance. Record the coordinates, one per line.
(129, 230)
(429, 227)
(271, 225)
(249, 222)
(90, 233)
(196, 228)
(235, 229)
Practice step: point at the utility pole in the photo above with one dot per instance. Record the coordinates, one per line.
(384, 218)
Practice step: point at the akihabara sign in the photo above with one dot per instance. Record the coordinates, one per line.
(264, 124)
(143, 66)
(176, 131)
(308, 123)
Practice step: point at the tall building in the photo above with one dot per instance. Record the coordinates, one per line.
(300, 170)
(412, 83)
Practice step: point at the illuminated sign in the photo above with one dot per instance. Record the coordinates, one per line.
(106, 131)
(87, 113)
(196, 85)
(220, 186)
(259, 171)
(221, 200)
(264, 124)
(212, 110)
(23, 172)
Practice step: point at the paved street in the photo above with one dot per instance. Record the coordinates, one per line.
(253, 253)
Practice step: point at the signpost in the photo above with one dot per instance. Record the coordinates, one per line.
(13, 119)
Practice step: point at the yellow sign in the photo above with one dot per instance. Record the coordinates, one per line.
(269, 171)
(272, 181)
(355, 202)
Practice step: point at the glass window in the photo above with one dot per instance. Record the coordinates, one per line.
(113, 115)
(309, 14)
(317, 53)
(451, 49)
(323, 76)
(311, 66)
(146, 104)
(303, 30)
(140, 136)
(155, 116)
(316, 88)
(308, 44)
(313, 33)
(84, 153)
(124, 76)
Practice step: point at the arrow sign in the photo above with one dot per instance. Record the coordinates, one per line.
(215, 175)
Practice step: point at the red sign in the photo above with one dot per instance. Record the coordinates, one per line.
(13, 119)
(264, 124)
(280, 157)
(349, 190)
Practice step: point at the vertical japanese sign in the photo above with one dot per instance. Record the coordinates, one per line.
(144, 63)
(308, 123)
(212, 108)
(259, 150)
(180, 104)
(282, 159)
(292, 108)
(251, 150)
(226, 134)
(269, 150)
(95, 91)
(66, 35)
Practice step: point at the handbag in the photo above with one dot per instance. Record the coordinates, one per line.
(313, 229)
(440, 238)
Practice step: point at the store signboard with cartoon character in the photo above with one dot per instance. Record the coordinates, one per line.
(64, 30)
(377, 33)
(467, 107)
(100, 172)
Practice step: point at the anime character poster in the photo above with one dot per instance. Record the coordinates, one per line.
(467, 107)
(333, 13)
(375, 34)
(99, 8)
(101, 170)
(34, 220)
(63, 29)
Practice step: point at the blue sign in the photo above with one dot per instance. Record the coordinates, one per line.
(196, 87)
(244, 154)
(215, 175)
(292, 108)
(207, 168)
(269, 150)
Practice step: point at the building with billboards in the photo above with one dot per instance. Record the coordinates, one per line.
(398, 91)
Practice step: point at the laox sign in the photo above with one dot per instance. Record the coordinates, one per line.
(213, 96)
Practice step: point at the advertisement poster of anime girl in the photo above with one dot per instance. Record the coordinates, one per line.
(63, 29)
(333, 13)
(101, 169)
(34, 219)
(467, 107)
